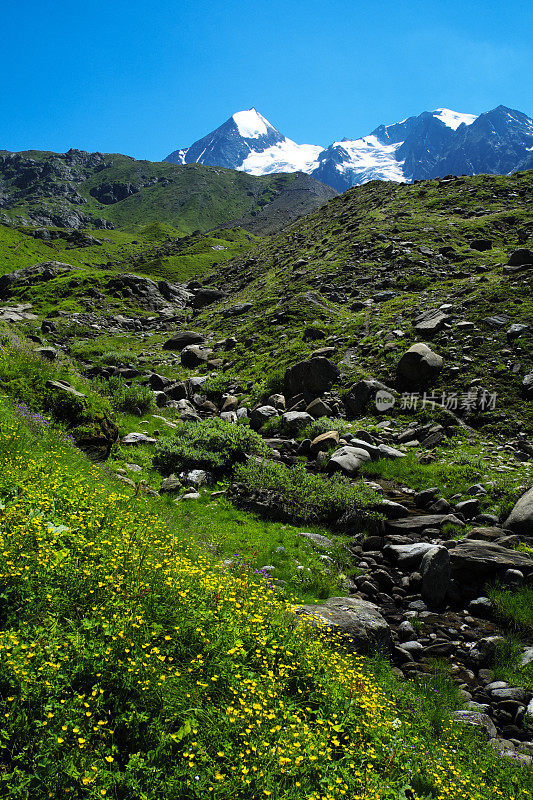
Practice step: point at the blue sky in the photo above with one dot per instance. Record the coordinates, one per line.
(144, 78)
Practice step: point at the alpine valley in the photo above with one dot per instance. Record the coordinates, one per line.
(431, 145)
(266, 467)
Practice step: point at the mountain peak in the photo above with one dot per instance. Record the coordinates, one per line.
(251, 124)
(452, 119)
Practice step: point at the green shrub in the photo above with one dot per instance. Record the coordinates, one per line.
(134, 399)
(212, 444)
(306, 496)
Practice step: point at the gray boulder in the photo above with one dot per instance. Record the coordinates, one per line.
(194, 356)
(294, 420)
(182, 339)
(477, 557)
(260, 415)
(408, 556)
(359, 622)
(311, 378)
(348, 460)
(477, 720)
(419, 367)
(436, 575)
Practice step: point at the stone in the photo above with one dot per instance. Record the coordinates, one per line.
(520, 520)
(419, 367)
(360, 394)
(262, 414)
(317, 539)
(360, 623)
(480, 558)
(317, 408)
(48, 353)
(231, 403)
(469, 508)
(348, 460)
(199, 477)
(408, 556)
(324, 442)
(170, 485)
(474, 718)
(38, 273)
(62, 387)
(296, 420)
(481, 244)
(137, 438)
(311, 378)
(194, 356)
(183, 339)
(436, 575)
(206, 296)
(516, 330)
(237, 310)
(527, 385)
(430, 322)
(520, 257)
(406, 632)
(416, 524)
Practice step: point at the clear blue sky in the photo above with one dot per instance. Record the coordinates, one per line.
(144, 78)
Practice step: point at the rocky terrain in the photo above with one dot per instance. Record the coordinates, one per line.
(382, 344)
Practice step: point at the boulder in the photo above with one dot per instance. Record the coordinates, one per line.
(322, 443)
(137, 438)
(182, 339)
(310, 378)
(520, 520)
(527, 385)
(408, 556)
(419, 367)
(359, 622)
(348, 460)
(481, 722)
(416, 524)
(46, 271)
(295, 420)
(436, 575)
(430, 322)
(194, 356)
(360, 394)
(260, 415)
(479, 558)
(205, 296)
(520, 257)
(317, 408)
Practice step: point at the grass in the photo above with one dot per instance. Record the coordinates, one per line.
(134, 666)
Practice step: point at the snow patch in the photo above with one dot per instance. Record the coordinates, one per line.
(452, 119)
(285, 156)
(251, 125)
(371, 160)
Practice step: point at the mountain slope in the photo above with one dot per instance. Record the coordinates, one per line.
(357, 274)
(429, 145)
(94, 190)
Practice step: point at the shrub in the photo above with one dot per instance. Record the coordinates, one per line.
(134, 399)
(306, 496)
(212, 444)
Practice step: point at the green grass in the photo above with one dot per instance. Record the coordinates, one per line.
(134, 666)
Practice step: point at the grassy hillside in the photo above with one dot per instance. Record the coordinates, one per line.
(363, 267)
(95, 190)
(135, 666)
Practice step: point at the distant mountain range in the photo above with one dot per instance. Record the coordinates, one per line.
(431, 145)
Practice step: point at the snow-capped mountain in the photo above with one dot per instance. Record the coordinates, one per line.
(248, 142)
(430, 145)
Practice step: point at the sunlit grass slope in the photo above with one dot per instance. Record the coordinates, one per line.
(134, 666)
